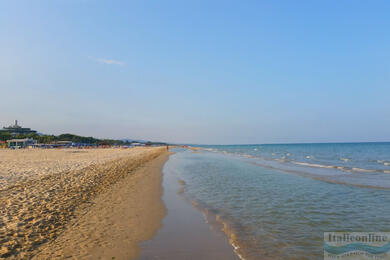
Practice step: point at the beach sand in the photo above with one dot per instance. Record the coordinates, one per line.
(88, 204)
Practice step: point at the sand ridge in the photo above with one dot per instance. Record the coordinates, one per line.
(36, 208)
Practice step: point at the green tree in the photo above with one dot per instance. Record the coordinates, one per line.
(4, 136)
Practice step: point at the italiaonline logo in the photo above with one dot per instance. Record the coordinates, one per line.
(356, 245)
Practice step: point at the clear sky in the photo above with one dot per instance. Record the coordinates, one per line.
(198, 71)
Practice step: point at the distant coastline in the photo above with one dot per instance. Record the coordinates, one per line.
(16, 136)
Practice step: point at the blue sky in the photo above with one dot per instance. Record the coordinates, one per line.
(217, 72)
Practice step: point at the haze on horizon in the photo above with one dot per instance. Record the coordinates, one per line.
(219, 72)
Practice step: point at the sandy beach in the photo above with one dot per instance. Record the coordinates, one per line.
(79, 203)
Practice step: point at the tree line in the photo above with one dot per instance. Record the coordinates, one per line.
(46, 139)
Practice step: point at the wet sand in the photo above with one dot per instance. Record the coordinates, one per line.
(185, 233)
(87, 204)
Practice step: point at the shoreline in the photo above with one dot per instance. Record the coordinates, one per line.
(187, 231)
(108, 206)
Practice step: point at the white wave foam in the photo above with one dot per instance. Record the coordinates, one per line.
(235, 249)
(308, 157)
(344, 159)
(362, 170)
(314, 165)
(385, 163)
(335, 167)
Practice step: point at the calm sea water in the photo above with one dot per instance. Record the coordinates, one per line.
(276, 201)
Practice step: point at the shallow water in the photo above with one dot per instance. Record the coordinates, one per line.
(282, 214)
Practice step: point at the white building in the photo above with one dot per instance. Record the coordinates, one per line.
(21, 143)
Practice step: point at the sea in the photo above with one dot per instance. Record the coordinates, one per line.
(275, 201)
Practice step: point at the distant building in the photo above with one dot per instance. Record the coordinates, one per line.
(137, 144)
(17, 129)
(63, 144)
(21, 143)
